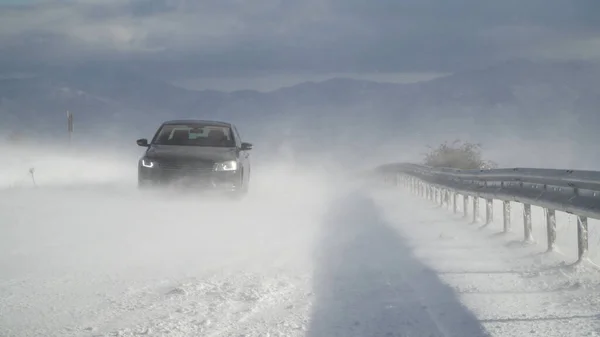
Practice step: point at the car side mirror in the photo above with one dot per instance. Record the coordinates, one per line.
(246, 146)
(142, 142)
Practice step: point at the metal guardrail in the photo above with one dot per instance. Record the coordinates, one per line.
(570, 191)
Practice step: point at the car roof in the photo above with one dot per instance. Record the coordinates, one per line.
(197, 121)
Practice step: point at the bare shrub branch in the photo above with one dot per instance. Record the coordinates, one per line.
(459, 155)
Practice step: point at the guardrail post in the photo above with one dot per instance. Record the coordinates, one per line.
(582, 237)
(489, 211)
(506, 215)
(475, 208)
(444, 197)
(454, 202)
(551, 228)
(465, 206)
(527, 223)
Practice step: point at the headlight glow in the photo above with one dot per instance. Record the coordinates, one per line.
(230, 165)
(147, 163)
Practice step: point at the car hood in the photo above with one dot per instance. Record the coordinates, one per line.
(191, 152)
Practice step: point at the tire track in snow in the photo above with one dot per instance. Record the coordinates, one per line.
(368, 282)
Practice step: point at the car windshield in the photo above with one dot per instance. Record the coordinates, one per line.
(195, 135)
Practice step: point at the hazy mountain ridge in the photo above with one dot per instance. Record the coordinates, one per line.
(519, 92)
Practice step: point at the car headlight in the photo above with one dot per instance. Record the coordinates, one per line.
(147, 163)
(230, 165)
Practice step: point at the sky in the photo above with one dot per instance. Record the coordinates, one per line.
(190, 41)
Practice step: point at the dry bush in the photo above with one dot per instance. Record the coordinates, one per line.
(458, 155)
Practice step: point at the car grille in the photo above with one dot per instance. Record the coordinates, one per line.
(190, 166)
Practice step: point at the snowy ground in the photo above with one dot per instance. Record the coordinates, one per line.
(513, 289)
(301, 256)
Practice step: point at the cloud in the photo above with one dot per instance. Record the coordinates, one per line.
(179, 38)
(562, 47)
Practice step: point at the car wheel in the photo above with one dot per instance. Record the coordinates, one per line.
(241, 192)
(245, 187)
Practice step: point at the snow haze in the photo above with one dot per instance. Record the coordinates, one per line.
(85, 237)
(325, 90)
(311, 251)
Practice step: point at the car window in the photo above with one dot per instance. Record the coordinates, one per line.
(195, 135)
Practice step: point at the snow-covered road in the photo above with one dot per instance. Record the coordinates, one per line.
(512, 288)
(302, 257)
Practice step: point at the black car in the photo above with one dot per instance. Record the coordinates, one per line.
(200, 154)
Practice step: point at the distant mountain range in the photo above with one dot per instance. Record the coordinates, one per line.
(521, 97)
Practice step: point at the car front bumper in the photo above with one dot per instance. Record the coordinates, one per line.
(194, 179)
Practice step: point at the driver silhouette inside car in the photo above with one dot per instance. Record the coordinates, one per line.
(217, 138)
